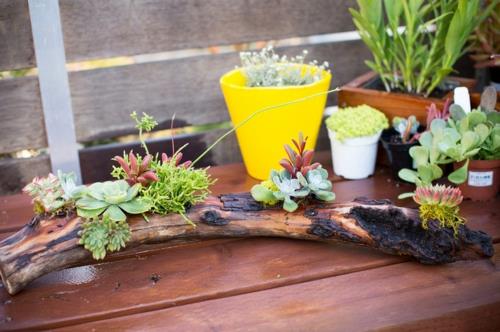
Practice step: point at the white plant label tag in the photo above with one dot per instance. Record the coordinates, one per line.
(480, 179)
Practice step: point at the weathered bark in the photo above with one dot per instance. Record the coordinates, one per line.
(50, 244)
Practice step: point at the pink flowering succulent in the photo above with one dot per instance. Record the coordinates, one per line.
(136, 172)
(300, 160)
(47, 194)
(438, 195)
(441, 203)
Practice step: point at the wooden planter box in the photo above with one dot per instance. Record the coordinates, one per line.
(393, 103)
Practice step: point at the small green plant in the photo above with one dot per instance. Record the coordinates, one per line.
(145, 123)
(298, 179)
(407, 128)
(178, 187)
(359, 121)
(418, 57)
(266, 68)
(441, 203)
(111, 199)
(99, 235)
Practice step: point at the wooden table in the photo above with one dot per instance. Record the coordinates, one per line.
(262, 284)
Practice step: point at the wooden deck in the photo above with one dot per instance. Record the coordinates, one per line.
(262, 284)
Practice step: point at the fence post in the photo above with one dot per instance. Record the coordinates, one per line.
(54, 85)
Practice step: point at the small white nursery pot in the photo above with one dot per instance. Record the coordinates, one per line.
(354, 158)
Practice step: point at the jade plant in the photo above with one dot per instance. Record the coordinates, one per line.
(462, 137)
(266, 68)
(359, 121)
(441, 203)
(298, 180)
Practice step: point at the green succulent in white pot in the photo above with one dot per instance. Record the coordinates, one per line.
(354, 134)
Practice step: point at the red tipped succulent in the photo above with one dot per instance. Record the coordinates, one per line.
(177, 157)
(300, 160)
(135, 172)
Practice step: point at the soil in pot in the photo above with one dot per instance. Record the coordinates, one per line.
(483, 179)
(397, 152)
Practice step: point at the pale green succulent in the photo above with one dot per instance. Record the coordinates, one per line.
(317, 182)
(72, 191)
(288, 188)
(282, 187)
(110, 199)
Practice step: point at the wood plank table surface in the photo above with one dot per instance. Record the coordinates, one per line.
(263, 284)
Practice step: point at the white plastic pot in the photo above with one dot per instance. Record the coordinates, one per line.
(354, 158)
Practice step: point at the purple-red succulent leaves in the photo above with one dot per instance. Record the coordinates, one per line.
(135, 172)
(300, 160)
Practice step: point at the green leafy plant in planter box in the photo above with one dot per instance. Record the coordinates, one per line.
(416, 43)
(299, 179)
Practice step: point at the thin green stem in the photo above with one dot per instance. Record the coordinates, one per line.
(254, 114)
(143, 143)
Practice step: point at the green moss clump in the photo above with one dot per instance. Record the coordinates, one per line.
(448, 216)
(177, 187)
(357, 121)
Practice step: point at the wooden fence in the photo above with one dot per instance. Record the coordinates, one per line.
(103, 98)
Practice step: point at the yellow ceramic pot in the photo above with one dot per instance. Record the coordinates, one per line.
(261, 140)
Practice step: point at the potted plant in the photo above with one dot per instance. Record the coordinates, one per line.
(469, 140)
(478, 173)
(354, 133)
(398, 140)
(411, 65)
(266, 79)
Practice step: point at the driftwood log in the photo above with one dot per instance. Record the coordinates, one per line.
(49, 244)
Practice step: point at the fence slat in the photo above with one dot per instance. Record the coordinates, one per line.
(21, 125)
(54, 87)
(16, 43)
(103, 98)
(96, 28)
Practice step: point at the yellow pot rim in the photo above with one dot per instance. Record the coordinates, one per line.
(326, 77)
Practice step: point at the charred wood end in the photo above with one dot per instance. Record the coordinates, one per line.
(213, 218)
(240, 202)
(395, 232)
